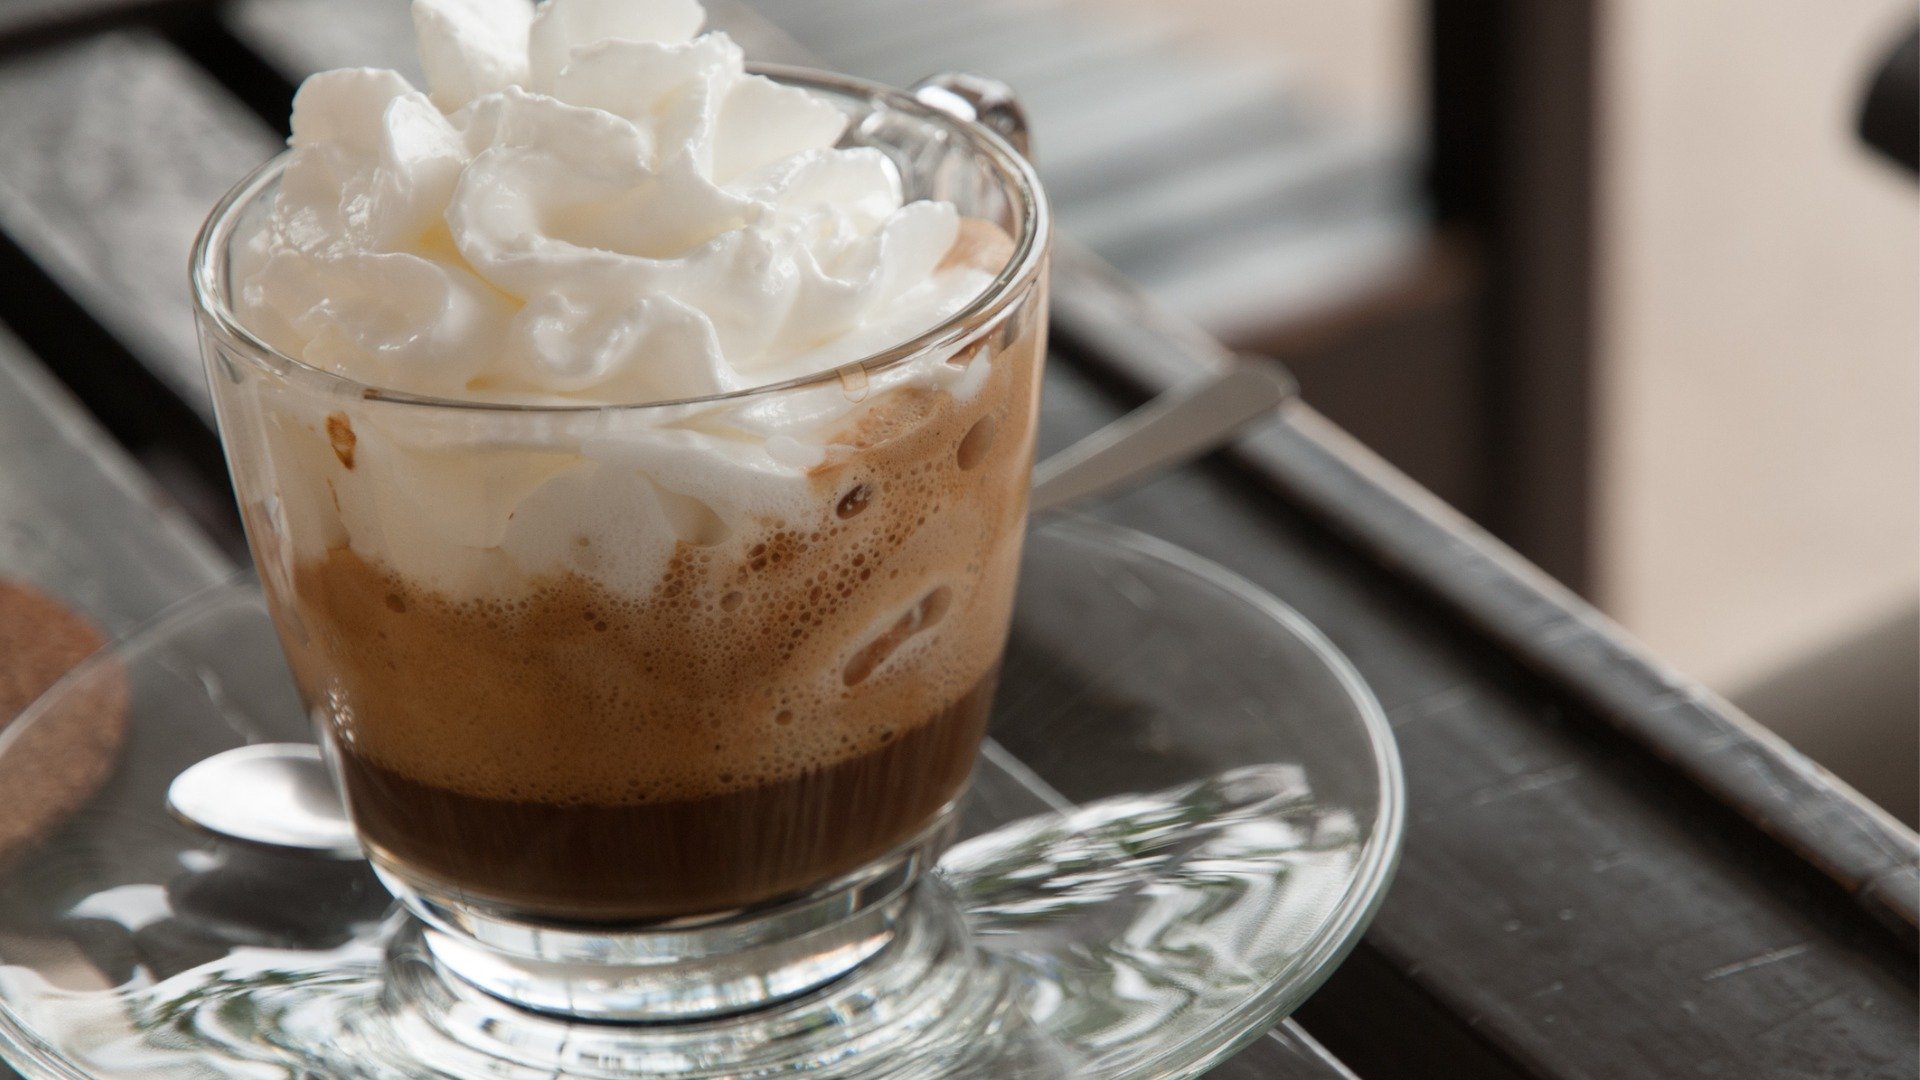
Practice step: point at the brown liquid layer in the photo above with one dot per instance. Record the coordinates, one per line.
(662, 860)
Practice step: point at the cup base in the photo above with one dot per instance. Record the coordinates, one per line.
(926, 996)
(687, 970)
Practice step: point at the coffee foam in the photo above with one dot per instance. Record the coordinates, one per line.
(708, 651)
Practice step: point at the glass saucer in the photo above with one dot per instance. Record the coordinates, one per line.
(1188, 813)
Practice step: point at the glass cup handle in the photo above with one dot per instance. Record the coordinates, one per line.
(980, 100)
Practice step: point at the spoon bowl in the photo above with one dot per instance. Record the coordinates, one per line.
(274, 795)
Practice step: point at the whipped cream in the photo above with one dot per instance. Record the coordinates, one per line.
(591, 204)
(588, 205)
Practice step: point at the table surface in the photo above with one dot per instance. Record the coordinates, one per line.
(1608, 872)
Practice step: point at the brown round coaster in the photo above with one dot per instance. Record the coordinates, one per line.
(54, 763)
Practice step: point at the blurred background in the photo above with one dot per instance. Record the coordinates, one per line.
(1621, 279)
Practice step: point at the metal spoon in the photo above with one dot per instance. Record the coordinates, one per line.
(279, 795)
(1176, 426)
(274, 795)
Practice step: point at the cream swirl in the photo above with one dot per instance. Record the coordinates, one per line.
(589, 204)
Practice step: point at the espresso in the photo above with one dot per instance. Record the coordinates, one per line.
(656, 860)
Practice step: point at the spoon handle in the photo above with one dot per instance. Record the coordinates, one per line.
(1180, 424)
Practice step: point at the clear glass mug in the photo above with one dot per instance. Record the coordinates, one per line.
(662, 780)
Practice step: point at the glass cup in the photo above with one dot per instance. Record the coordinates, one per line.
(628, 751)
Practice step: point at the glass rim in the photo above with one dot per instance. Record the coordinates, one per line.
(211, 296)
